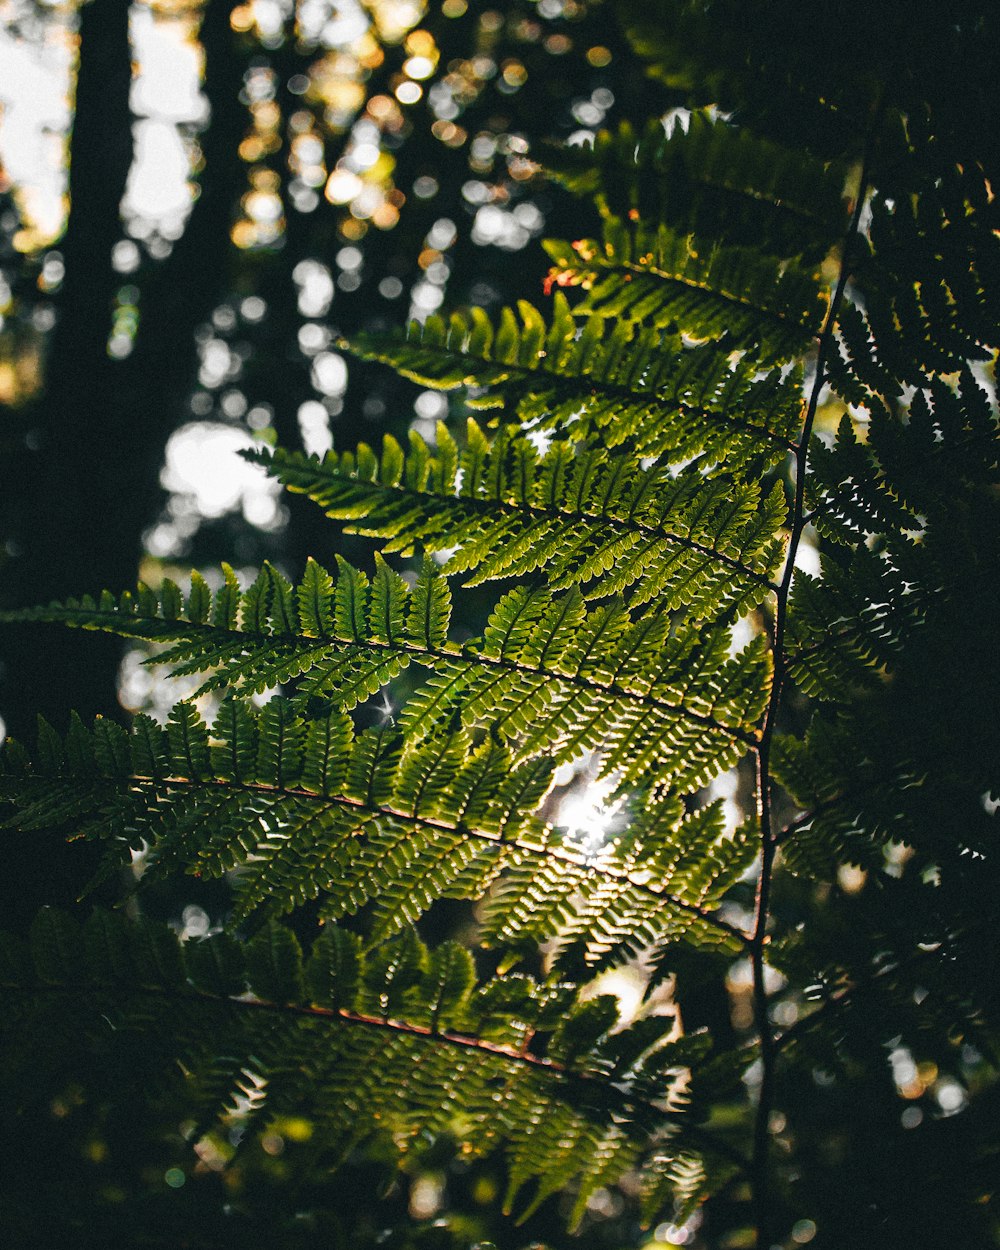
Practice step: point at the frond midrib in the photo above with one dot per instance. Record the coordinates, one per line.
(452, 652)
(563, 855)
(505, 507)
(595, 386)
(679, 279)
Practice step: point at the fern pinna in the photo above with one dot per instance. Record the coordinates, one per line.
(767, 352)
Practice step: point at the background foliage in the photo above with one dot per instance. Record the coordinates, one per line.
(729, 983)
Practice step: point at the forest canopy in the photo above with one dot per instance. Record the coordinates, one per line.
(499, 625)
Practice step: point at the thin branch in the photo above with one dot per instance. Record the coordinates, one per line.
(763, 1214)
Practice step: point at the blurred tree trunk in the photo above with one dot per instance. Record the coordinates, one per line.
(84, 483)
(63, 495)
(183, 291)
(79, 493)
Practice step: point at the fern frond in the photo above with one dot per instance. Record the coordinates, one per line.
(270, 633)
(687, 1178)
(615, 382)
(551, 675)
(711, 179)
(548, 676)
(704, 290)
(908, 471)
(313, 812)
(927, 279)
(416, 1063)
(574, 891)
(905, 747)
(928, 282)
(581, 517)
(891, 498)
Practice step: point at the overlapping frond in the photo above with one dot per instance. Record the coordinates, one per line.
(711, 179)
(343, 638)
(576, 896)
(577, 516)
(911, 760)
(608, 380)
(894, 636)
(303, 808)
(927, 282)
(892, 498)
(648, 273)
(396, 1041)
(548, 676)
(906, 474)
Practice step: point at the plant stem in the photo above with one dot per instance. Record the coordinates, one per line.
(759, 1167)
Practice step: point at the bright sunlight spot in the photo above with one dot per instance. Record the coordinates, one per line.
(202, 463)
(588, 815)
(34, 111)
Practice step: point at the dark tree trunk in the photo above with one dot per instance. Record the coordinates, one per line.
(159, 373)
(83, 485)
(62, 490)
(64, 508)
(81, 490)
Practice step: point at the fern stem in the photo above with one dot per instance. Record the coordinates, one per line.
(463, 1041)
(764, 1214)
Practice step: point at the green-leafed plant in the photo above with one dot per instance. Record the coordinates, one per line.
(737, 486)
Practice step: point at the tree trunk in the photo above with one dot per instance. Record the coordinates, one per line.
(62, 491)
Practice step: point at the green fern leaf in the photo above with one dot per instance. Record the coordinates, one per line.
(613, 381)
(274, 964)
(216, 965)
(711, 179)
(447, 984)
(666, 279)
(335, 969)
(597, 521)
